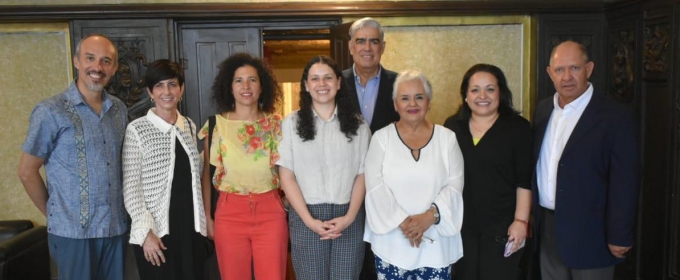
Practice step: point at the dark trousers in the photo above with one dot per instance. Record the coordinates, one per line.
(368, 269)
(552, 267)
(483, 257)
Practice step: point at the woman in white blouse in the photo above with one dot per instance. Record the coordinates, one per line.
(321, 167)
(414, 186)
(161, 182)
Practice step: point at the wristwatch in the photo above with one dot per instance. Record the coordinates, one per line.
(435, 213)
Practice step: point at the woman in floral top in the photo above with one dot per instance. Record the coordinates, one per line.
(250, 221)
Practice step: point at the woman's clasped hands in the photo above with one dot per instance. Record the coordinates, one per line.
(415, 226)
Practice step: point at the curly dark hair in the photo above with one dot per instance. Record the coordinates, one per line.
(505, 104)
(223, 95)
(349, 115)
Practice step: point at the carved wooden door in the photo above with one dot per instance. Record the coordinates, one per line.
(139, 42)
(202, 50)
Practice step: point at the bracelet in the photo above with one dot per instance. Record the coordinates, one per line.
(522, 221)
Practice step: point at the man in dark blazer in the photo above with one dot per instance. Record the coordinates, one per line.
(367, 81)
(371, 87)
(587, 178)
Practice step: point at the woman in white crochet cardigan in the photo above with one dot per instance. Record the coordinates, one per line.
(161, 182)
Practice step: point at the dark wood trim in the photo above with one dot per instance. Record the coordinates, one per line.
(296, 9)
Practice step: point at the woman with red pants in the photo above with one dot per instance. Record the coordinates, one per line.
(250, 222)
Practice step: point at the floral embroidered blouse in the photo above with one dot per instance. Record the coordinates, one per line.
(244, 154)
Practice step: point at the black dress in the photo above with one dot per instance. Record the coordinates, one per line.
(494, 168)
(186, 253)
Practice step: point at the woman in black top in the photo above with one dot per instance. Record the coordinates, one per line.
(497, 147)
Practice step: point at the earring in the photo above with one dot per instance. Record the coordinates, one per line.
(151, 100)
(465, 99)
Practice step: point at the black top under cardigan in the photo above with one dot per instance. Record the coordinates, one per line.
(494, 169)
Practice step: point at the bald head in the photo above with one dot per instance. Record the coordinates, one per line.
(571, 44)
(569, 71)
(96, 59)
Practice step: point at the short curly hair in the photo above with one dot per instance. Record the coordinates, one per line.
(349, 114)
(223, 94)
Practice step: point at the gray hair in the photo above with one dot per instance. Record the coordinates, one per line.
(412, 75)
(77, 54)
(366, 22)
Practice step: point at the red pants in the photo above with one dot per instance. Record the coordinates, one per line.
(251, 228)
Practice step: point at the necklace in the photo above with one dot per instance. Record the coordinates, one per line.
(482, 131)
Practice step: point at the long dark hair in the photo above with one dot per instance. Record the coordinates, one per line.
(505, 103)
(348, 114)
(223, 94)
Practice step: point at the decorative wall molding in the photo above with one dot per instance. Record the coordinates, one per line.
(297, 9)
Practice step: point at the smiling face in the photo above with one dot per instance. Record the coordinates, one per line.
(569, 70)
(322, 84)
(483, 95)
(96, 63)
(411, 101)
(367, 48)
(246, 86)
(166, 94)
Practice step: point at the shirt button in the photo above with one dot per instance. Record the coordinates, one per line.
(107, 164)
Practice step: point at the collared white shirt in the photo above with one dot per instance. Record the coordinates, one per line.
(324, 168)
(557, 133)
(368, 94)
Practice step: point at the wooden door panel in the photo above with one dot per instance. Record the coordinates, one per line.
(340, 45)
(203, 50)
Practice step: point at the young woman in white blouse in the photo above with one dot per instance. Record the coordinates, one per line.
(161, 182)
(414, 186)
(321, 167)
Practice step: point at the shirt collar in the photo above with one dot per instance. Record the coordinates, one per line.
(333, 117)
(161, 124)
(358, 79)
(579, 103)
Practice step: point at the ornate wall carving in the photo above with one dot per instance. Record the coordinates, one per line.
(128, 82)
(655, 48)
(623, 65)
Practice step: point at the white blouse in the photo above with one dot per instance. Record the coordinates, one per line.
(398, 186)
(325, 168)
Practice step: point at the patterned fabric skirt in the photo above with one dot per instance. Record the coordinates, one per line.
(387, 271)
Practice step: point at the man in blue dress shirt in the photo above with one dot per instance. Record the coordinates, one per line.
(77, 136)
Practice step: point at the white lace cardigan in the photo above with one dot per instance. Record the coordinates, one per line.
(148, 167)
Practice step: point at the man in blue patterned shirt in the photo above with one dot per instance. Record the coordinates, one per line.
(77, 136)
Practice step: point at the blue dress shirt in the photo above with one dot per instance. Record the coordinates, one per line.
(82, 153)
